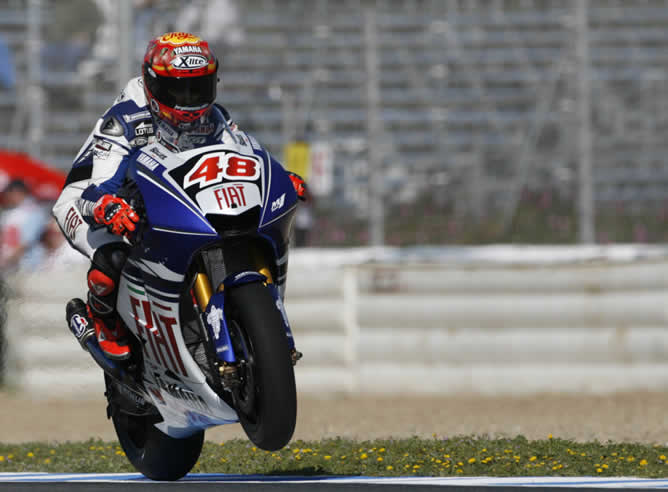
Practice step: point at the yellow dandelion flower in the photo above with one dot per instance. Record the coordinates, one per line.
(222, 444)
(380, 458)
(471, 461)
(343, 457)
(10, 456)
(389, 467)
(604, 466)
(459, 463)
(460, 471)
(327, 457)
(599, 470)
(223, 460)
(643, 462)
(30, 455)
(446, 455)
(253, 449)
(364, 456)
(53, 451)
(92, 448)
(583, 454)
(533, 458)
(120, 453)
(662, 457)
(2, 458)
(484, 450)
(295, 451)
(47, 461)
(630, 458)
(381, 450)
(549, 436)
(439, 461)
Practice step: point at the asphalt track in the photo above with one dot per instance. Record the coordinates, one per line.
(262, 483)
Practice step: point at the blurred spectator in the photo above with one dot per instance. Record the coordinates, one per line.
(7, 70)
(21, 225)
(52, 253)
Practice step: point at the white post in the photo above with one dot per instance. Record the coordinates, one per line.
(351, 327)
(125, 43)
(35, 94)
(376, 212)
(586, 187)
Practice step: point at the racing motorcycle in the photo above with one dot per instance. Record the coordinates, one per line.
(202, 296)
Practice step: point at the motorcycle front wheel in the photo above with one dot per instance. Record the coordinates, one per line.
(266, 399)
(152, 452)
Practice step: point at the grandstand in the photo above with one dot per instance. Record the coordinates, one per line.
(477, 98)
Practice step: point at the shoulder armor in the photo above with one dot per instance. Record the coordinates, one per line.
(111, 126)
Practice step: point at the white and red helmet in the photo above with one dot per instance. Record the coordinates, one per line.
(180, 77)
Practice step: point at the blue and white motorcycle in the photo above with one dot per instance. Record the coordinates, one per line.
(201, 294)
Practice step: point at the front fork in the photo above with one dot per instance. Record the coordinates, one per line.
(212, 305)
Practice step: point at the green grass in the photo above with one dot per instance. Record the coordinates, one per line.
(458, 456)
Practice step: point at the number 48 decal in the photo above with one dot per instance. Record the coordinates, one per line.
(212, 168)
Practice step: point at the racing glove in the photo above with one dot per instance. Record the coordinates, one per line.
(116, 214)
(299, 184)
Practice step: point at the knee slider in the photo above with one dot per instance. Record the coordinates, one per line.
(100, 283)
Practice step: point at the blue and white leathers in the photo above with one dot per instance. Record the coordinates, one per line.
(193, 200)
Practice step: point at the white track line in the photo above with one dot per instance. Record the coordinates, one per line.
(615, 482)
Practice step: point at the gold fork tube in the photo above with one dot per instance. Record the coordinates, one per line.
(203, 290)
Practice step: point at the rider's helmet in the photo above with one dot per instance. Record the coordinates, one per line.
(180, 77)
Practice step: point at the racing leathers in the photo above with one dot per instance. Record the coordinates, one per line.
(94, 220)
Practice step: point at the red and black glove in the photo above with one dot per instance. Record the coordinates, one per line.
(299, 184)
(116, 214)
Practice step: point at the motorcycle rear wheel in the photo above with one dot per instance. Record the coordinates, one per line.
(266, 400)
(152, 452)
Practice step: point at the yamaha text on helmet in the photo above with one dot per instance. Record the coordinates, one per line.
(180, 76)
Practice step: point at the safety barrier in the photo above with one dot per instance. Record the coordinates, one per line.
(471, 320)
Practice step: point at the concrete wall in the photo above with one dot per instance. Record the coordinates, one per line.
(474, 320)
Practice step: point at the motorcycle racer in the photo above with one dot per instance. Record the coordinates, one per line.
(173, 102)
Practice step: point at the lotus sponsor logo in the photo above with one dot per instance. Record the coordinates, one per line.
(188, 62)
(278, 203)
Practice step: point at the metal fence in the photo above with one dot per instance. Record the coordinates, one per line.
(442, 121)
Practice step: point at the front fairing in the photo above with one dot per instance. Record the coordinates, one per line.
(201, 196)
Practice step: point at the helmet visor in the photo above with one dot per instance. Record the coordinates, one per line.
(185, 92)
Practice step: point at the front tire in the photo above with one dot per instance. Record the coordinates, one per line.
(266, 400)
(152, 452)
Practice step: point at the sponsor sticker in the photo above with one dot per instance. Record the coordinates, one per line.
(278, 203)
(78, 325)
(73, 221)
(147, 161)
(188, 62)
(142, 115)
(183, 50)
(229, 198)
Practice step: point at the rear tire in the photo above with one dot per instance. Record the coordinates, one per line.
(266, 401)
(152, 452)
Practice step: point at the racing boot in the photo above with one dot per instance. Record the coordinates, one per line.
(76, 314)
(111, 333)
(112, 341)
(84, 324)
